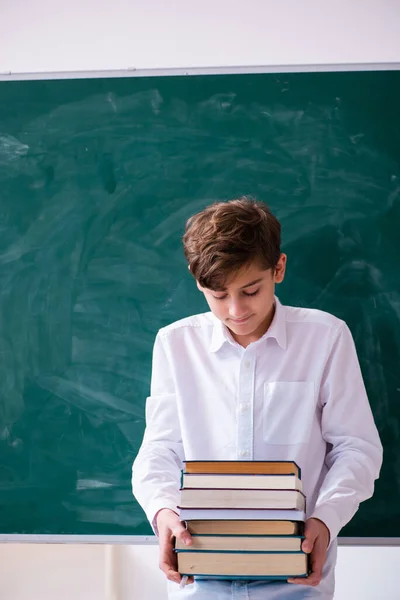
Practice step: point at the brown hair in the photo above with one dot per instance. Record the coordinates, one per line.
(227, 235)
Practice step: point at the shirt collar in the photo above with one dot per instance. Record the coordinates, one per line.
(276, 330)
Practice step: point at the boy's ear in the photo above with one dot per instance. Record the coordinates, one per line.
(280, 269)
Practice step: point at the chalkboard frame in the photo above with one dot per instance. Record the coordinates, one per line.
(140, 539)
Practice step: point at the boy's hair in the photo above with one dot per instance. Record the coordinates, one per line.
(225, 236)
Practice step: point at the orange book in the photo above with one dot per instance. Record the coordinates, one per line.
(255, 467)
(208, 527)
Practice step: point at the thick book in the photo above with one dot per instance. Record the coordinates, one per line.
(236, 498)
(248, 565)
(231, 527)
(243, 543)
(255, 467)
(188, 514)
(243, 481)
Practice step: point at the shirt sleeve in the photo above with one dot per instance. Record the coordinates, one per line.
(157, 467)
(354, 457)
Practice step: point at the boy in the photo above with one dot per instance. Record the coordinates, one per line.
(255, 380)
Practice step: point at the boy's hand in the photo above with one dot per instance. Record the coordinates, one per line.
(316, 542)
(169, 527)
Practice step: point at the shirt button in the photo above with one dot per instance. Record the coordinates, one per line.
(244, 407)
(247, 364)
(244, 453)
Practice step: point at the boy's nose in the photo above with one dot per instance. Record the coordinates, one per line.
(237, 310)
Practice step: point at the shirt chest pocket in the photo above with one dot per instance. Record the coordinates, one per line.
(289, 411)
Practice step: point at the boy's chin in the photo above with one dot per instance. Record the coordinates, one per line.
(245, 329)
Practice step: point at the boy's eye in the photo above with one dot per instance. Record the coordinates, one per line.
(244, 293)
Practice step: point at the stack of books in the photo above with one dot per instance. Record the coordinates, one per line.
(246, 519)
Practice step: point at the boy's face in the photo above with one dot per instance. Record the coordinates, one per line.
(246, 304)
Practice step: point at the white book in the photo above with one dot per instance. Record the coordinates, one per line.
(267, 514)
(243, 543)
(238, 498)
(242, 481)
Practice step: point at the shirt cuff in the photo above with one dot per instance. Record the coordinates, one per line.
(155, 507)
(328, 515)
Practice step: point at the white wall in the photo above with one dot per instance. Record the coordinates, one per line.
(50, 572)
(360, 576)
(93, 35)
(94, 572)
(50, 36)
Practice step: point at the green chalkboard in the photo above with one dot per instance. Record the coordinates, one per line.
(97, 178)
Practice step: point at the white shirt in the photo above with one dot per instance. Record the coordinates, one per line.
(295, 394)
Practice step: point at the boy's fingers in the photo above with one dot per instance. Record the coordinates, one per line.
(168, 565)
(177, 528)
(168, 559)
(170, 573)
(188, 581)
(317, 560)
(305, 581)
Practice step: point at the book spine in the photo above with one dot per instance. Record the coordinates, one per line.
(249, 577)
(246, 552)
(246, 535)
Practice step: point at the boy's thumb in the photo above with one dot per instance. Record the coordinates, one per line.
(308, 542)
(185, 536)
(307, 546)
(186, 539)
